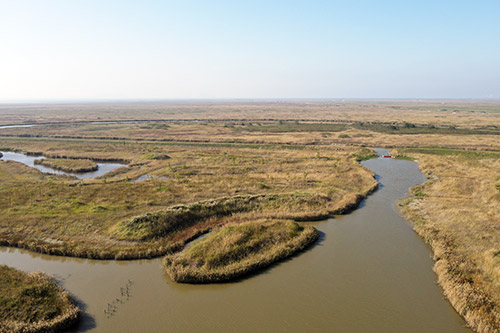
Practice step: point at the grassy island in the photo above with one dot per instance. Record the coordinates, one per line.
(68, 165)
(33, 303)
(237, 250)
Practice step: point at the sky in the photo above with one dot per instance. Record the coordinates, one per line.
(186, 49)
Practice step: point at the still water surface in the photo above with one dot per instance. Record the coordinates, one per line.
(15, 126)
(30, 161)
(369, 272)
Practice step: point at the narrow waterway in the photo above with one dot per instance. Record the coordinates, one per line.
(30, 161)
(369, 272)
(15, 126)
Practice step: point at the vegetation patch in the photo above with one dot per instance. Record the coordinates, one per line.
(296, 206)
(160, 224)
(283, 126)
(68, 165)
(237, 250)
(365, 154)
(404, 157)
(33, 303)
(155, 156)
(469, 154)
(410, 128)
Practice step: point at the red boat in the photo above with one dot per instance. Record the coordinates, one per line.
(386, 156)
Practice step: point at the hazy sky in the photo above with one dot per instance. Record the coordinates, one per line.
(106, 49)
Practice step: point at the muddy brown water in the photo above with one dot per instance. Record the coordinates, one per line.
(369, 272)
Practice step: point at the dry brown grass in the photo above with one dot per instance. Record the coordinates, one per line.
(457, 211)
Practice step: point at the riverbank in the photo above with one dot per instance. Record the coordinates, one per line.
(33, 303)
(238, 250)
(456, 213)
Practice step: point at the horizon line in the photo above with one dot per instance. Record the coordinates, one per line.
(241, 99)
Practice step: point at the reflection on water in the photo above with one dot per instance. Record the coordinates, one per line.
(30, 161)
(15, 126)
(368, 273)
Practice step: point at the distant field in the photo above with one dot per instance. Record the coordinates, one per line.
(462, 113)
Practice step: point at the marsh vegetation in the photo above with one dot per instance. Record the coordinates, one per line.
(33, 303)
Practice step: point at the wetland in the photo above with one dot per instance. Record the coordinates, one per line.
(209, 193)
(368, 271)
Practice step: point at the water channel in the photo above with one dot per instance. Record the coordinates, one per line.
(30, 161)
(369, 272)
(15, 126)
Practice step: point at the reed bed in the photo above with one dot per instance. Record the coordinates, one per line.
(237, 250)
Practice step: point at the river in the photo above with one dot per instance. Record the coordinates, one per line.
(369, 272)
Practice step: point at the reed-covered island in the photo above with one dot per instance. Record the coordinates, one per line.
(237, 250)
(33, 303)
(68, 165)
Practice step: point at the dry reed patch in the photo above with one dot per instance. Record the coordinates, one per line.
(458, 215)
(238, 249)
(33, 303)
